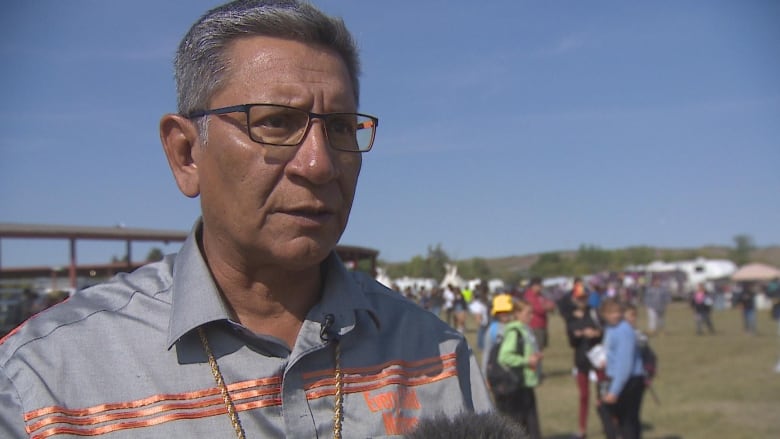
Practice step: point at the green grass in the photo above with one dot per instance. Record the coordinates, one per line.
(720, 385)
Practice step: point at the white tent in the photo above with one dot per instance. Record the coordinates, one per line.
(755, 272)
(452, 277)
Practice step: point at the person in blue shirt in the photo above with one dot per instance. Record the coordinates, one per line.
(625, 385)
(594, 294)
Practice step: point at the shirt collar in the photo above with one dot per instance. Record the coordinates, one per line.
(196, 300)
(342, 296)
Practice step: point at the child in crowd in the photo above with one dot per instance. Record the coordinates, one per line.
(502, 314)
(625, 373)
(519, 349)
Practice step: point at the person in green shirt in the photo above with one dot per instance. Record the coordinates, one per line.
(520, 351)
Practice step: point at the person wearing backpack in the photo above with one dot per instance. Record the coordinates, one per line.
(520, 352)
(501, 311)
(625, 384)
(649, 358)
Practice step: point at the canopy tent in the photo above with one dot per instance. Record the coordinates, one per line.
(756, 272)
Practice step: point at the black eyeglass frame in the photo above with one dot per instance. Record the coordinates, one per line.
(245, 108)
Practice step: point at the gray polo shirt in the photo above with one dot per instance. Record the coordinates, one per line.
(123, 359)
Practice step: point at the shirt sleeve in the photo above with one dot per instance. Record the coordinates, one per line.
(11, 415)
(476, 394)
(622, 349)
(507, 356)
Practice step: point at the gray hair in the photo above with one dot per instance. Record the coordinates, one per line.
(201, 65)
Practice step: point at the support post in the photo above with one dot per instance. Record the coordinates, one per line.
(72, 268)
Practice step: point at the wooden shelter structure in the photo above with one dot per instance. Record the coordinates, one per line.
(358, 258)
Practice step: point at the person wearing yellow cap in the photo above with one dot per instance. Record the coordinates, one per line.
(501, 311)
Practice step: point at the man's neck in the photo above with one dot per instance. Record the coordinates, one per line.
(274, 304)
(269, 300)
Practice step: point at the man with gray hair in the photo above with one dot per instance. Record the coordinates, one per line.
(255, 328)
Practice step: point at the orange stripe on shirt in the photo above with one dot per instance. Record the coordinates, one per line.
(128, 425)
(394, 377)
(358, 375)
(408, 382)
(247, 395)
(273, 381)
(100, 419)
(195, 405)
(382, 366)
(119, 406)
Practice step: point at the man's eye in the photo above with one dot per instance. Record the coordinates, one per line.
(341, 126)
(275, 122)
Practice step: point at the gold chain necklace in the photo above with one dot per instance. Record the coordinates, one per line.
(338, 411)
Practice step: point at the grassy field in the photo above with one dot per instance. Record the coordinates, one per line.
(720, 385)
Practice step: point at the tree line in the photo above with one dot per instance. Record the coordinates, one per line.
(587, 259)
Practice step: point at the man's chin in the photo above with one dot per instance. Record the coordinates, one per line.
(304, 252)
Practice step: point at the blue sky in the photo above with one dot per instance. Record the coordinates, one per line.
(506, 127)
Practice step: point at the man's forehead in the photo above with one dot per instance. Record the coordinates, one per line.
(283, 66)
(265, 52)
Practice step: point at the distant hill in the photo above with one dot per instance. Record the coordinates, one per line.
(507, 266)
(769, 255)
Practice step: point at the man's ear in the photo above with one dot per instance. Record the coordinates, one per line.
(179, 137)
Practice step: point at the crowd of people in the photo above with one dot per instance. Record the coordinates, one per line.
(601, 327)
(619, 371)
(653, 293)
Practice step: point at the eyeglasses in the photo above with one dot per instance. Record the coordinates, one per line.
(280, 125)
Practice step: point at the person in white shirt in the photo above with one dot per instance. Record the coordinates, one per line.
(449, 303)
(479, 310)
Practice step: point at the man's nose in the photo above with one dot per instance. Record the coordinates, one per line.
(314, 159)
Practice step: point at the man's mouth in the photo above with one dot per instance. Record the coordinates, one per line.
(312, 215)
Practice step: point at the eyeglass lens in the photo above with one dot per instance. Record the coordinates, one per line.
(287, 126)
